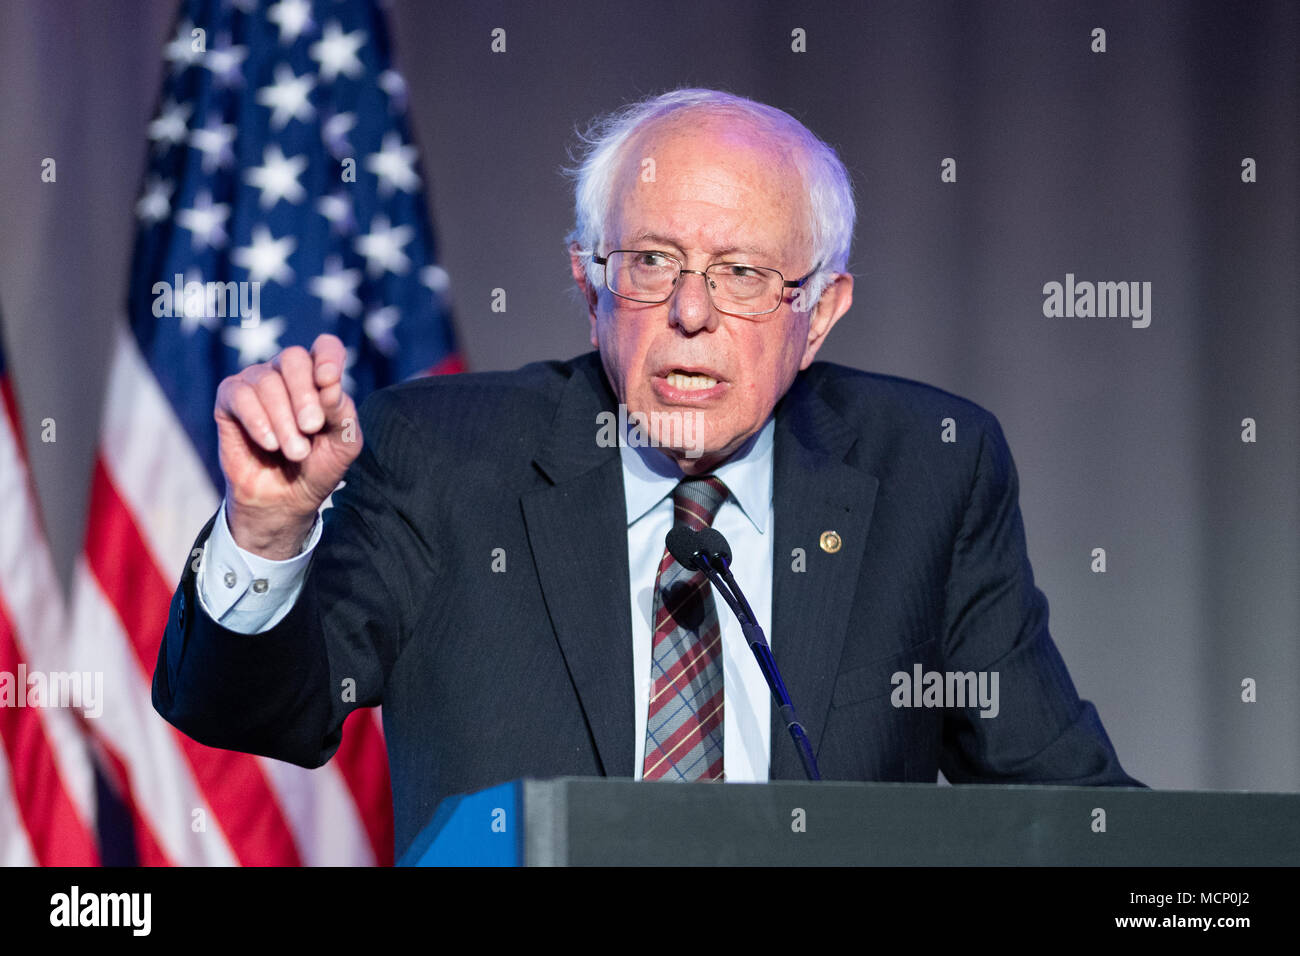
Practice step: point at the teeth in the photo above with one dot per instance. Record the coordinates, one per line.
(690, 383)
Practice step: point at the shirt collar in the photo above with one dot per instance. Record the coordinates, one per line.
(649, 476)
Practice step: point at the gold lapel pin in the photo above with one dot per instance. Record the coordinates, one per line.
(831, 541)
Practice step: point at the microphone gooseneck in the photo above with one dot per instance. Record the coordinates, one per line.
(707, 551)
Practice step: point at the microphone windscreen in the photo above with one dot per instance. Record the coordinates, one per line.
(682, 546)
(712, 543)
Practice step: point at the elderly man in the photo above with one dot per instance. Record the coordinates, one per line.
(493, 571)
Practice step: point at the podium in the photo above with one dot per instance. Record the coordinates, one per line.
(583, 821)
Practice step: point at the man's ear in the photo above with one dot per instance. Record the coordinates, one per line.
(834, 302)
(578, 265)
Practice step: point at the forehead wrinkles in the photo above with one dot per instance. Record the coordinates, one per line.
(711, 178)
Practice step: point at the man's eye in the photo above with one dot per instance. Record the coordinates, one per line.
(741, 271)
(652, 259)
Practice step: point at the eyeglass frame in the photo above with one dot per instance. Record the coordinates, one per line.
(603, 261)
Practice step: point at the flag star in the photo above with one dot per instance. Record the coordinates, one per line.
(334, 132)
(201, 317)
(277, 177)
(337, 289)
(394, 165)
(392, 83)
(336, 52)
(180, 51)
(293, 17)
(257, 341)
(436, 279)
(379, 326)
(266, 258)
(171, 125)
(287, 97)
(155, 205)
(214, 141)
(205, 220)
(337, 208)
(382, 247)
(226, 63)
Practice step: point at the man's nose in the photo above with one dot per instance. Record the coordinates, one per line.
(692, 308)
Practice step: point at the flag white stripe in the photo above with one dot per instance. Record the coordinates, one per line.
(322, 814)
(161, 782)
(151, 461)
(15, 848)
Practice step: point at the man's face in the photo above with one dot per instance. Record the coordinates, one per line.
(718, 192)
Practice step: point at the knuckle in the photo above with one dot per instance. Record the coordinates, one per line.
(238, 397)
(268, 384)
(239, 393)
(255, 373)
(294, 356)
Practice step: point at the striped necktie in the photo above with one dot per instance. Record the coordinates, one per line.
(684, 723)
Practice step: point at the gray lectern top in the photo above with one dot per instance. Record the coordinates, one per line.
(621, 822)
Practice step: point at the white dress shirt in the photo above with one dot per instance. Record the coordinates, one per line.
(250, 594)
(745, 520)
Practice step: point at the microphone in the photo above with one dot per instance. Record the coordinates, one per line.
(682, 545)
(707, 550)
(711, 541)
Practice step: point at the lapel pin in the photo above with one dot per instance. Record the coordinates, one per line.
(831, 541)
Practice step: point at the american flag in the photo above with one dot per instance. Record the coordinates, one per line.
(283, 198)
(47, 791)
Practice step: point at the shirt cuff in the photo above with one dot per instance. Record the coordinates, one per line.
(245, 592)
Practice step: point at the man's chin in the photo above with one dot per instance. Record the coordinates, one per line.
(691, 437)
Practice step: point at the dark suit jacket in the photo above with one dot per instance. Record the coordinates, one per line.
(486, 676)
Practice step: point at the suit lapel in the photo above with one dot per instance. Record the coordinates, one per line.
(577, 528)
(814, 491)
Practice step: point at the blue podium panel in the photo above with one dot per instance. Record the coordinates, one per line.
(476, 829)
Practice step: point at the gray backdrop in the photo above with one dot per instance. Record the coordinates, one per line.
(1122, 165)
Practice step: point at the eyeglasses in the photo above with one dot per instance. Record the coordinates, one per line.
(735, 288)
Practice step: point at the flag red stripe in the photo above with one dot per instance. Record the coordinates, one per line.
(10, 404)
(362, 759)
(58, 835)
(233, 783)
(452, 364)
(148, 850)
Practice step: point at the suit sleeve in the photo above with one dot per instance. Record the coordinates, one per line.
(996, 622)
(285, 692)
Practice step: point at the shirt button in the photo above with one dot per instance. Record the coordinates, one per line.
(230, 579)
(259, 585)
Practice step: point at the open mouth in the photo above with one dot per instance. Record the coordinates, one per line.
(690, 381)
(688, 385)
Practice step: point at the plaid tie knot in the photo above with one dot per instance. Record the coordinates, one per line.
(696, 501)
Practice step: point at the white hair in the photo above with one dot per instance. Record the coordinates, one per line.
(826, 181)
